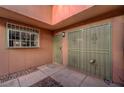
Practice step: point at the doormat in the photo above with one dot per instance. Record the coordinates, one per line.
(47, 82)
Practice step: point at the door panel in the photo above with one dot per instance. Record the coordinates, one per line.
(74, 44)
(90, 50)
(58, 49)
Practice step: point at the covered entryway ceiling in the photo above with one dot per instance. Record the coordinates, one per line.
(56, 18)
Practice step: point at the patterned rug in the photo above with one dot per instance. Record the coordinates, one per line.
(47, 82)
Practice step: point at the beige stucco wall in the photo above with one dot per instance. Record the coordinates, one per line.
(12, 60)
(117, 46)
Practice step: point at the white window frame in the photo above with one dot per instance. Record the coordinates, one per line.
(30, 31)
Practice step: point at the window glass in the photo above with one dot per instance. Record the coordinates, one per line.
(16, 43)
(23, 36)
(10, 34)
(32, 37)
(13, 34)
(17, 35)
(28, 43)
(28, 36)
(10, 43)
(32, 44)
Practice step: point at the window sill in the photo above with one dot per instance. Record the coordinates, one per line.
(23, 47)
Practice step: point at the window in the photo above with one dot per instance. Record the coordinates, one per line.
(22, 36)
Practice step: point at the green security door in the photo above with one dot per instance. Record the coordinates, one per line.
(73, 46)
(58, 49)
(90, 50)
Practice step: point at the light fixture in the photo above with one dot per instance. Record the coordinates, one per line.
(63, 34)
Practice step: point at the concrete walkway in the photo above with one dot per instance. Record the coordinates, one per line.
(67, 77)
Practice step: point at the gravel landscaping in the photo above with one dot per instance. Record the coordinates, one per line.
(47, 82)
(14, 75)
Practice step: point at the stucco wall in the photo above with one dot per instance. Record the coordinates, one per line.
(118, 49)
(38, 12)
(62, 12)
(117, 46)
(12, 60)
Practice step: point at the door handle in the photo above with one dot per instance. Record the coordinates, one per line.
(92, 61)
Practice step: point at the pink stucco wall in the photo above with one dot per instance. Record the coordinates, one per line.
(12, 60)
(118, 49)
(62, 12)
(48, 14)
(42, 13)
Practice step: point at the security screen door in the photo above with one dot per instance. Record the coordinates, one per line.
(58, 49)
(89, 50)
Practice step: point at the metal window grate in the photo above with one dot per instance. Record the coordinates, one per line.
(19, 36)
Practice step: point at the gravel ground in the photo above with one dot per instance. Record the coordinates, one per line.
(47, 82)
(16, 74)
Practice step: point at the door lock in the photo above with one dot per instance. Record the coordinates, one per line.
(92, 61)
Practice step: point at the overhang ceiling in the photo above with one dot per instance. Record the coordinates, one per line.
(81, 16)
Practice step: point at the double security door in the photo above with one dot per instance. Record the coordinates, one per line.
(89, 50)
